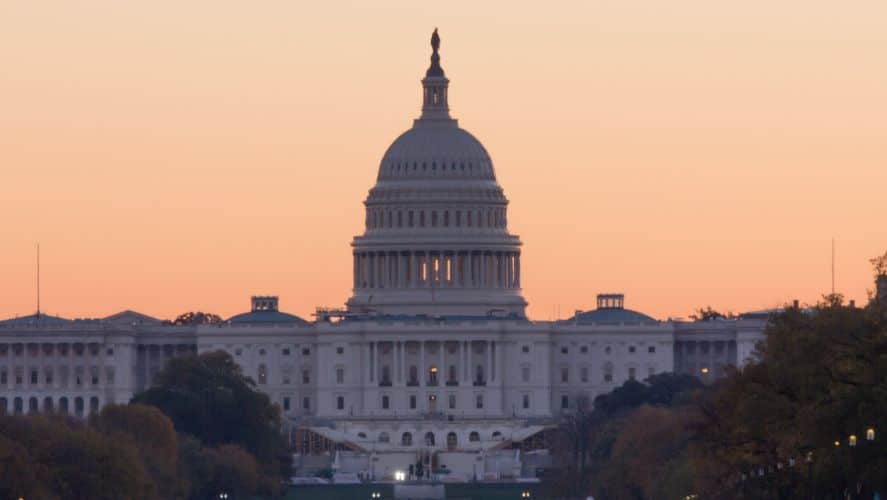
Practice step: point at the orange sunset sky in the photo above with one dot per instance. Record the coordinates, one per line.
(183, 155)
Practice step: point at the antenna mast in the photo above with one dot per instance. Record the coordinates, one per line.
(38, 279)
(833, 265)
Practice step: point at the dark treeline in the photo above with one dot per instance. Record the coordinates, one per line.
(202, 430)
(807, 419)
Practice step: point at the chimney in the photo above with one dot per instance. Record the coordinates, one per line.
(796, 304)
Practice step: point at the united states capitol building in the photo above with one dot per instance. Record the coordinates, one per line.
(432, 358)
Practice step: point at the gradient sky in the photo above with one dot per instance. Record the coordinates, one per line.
(173, 156)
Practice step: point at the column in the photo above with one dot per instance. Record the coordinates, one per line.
(517, 270)
(466, 369)
(488, 368)
(402, 346)
(429, 269)
(421, 363)
(356, 268)
(373, 367)
(441, 369)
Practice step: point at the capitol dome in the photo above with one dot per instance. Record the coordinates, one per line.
(436, 239)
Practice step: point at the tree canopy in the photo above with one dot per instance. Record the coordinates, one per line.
(196, 318)
(208, 396)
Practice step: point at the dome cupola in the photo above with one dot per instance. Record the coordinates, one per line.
(436, 239)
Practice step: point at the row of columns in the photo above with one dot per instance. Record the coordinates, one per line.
(445, 269)
(464, 373)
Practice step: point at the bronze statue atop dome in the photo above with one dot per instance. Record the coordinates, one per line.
(435, 70)
(435, 40)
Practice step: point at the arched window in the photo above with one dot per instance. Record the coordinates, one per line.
(452, 441)
(406, 439)
(608, 372)
(3, 404)
(78, 406)
(383, 437)
(410, 218)
(63, 405)
(33, 406)
(399, 218)
(458, 218)
(47, 405)
(429, 438)
(362, 435)
(422, 218)
(93, 405)
(497, 435)
(18, 406)
(474, 437)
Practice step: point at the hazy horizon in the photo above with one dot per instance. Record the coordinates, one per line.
(174, 156)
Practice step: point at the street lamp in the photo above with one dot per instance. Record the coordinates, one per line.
(851, 441)
(525, 494)
(376, 494)
(870, 434)
(223, 495)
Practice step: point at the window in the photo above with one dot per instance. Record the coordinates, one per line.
(109, 376)
(340, 402)
(452, 401)
(306, 403)
(286, 404)
(340, 375)
(429, 438)
(651, 349)
(565, 402)
(583, 374)
(452, 441)
(34, 376)
(474, 437)
(261, 352)
(631, 373)
(479, 401)
(286, 351)
(263, 374)
(525, 349)
(651, 371)
(525, 373)
(608, 349)
(385, 402)
(584, 349)
(238, 352)
(384, 437)
(3, 377)
(565, 374)
(340, 350)
(608, 372)
(406, 439)
(306, 376)
(412, 401)
(565, 350)
(526, 401)
(306, 351)
(631, 349)
(110, 351)
(286, 380)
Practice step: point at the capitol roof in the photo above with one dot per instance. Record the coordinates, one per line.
(611, 310)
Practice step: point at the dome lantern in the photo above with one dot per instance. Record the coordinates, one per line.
(435, 85)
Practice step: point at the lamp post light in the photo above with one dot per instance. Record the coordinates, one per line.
(851, 441)
(525, 494)
(870, 434)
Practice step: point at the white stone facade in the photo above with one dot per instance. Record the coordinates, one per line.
(433, 356)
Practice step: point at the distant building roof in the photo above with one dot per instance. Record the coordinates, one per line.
(264, 310)
(36, 320)
(129, 317)
(611, 310)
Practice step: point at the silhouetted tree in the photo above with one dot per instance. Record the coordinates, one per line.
(195, 318)
(209, 397)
